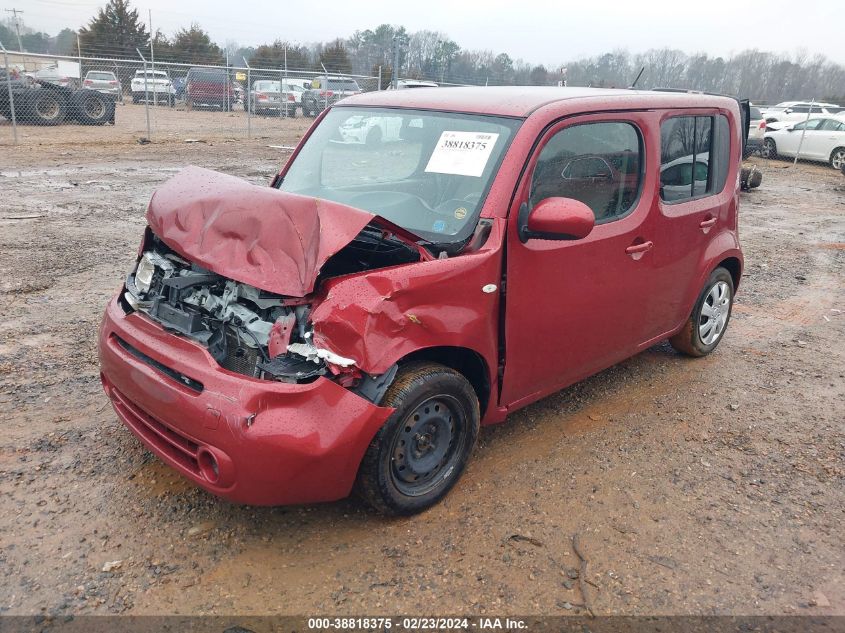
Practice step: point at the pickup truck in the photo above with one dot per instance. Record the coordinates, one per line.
(153, 86)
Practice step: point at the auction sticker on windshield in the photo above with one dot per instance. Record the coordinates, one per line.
(462, 153)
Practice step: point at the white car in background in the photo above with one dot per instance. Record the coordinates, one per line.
(794, 111)
(403, 84)
(370, 130)
(823, 140)
(154, 86)
(756, 130)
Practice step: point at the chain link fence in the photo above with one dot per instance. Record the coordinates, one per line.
(51, 99)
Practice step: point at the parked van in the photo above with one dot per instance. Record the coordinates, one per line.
(211, 87)
(351, 326)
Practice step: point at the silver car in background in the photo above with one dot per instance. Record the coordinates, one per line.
(266, 97)
(103, 81)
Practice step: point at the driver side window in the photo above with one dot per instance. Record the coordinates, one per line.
(598, 164)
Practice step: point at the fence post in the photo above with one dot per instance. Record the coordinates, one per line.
(146, 97)
(803, 132)
(379, 78)
(11, 98)
(326, 91)
(247, 99)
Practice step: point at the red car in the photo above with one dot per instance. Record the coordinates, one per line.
(352, 325)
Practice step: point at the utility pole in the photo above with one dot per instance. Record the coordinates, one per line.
(14, 13)
(396, 41)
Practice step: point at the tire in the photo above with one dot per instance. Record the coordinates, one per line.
(436, 420)
(48, 107)
(135, 98)
(696, 338)
(91, 108)
(837, 158)
(770, 149)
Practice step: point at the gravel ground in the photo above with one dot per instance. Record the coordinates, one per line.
(710, 486)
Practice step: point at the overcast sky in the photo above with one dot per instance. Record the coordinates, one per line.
(538, 31)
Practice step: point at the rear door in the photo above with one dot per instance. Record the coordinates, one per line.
(690, 215)
(575, 307)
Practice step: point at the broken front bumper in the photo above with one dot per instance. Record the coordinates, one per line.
(248, 440)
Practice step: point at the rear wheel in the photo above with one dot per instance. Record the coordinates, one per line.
(770, 149)
(709, 319)
(422, 449)
(92, 108)
(837, 158)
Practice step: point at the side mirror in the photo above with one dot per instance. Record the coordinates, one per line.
(555, 219)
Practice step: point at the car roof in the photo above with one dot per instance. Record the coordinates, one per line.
(520, 101)
(820, 104)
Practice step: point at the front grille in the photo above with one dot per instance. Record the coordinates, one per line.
(240, 357)
(164, 438)
(182, 379)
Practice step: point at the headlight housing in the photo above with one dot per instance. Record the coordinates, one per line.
(144, 273)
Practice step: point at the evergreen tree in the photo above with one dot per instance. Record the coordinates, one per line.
(194, 46)
(116, 31)
(335, 58)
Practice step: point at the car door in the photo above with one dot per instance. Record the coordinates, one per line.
(688, 219)
(828, 136)
(801, 139)
(575, 307)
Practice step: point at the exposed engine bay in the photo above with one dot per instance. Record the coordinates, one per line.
(248, 330)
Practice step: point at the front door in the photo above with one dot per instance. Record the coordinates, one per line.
(575, 307)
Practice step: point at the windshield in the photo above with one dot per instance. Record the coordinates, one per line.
(427, 172)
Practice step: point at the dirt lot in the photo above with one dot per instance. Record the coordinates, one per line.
(695, 486)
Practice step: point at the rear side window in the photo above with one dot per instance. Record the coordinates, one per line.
(599, 164)
(343, 84)
(207, 75)
(829, 125)
(694, 156)
(755, 113)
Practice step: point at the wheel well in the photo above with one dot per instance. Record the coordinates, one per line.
(468, 363)
(732, 265)
(835, 149)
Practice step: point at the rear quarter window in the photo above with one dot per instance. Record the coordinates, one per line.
(700, 141)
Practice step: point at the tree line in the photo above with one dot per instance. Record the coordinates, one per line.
(117, 30)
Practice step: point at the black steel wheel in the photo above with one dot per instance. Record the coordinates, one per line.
(422, 449)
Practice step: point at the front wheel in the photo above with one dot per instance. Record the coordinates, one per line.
(709, 319)
(837, 158)
(422, 449)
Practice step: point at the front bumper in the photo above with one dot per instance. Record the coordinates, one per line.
(248, 440)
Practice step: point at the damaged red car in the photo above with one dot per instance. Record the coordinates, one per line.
(426, 262)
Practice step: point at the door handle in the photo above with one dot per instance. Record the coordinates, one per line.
(636, 249)
(706, 224)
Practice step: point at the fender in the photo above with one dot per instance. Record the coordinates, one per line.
(379, 317)
(723, 246)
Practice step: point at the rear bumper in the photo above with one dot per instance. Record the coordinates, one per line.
(248, 440)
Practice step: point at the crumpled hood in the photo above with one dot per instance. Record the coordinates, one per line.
(257, 235)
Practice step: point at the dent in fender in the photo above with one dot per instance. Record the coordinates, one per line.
(379, 317)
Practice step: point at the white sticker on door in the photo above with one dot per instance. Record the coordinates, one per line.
(462, 153)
